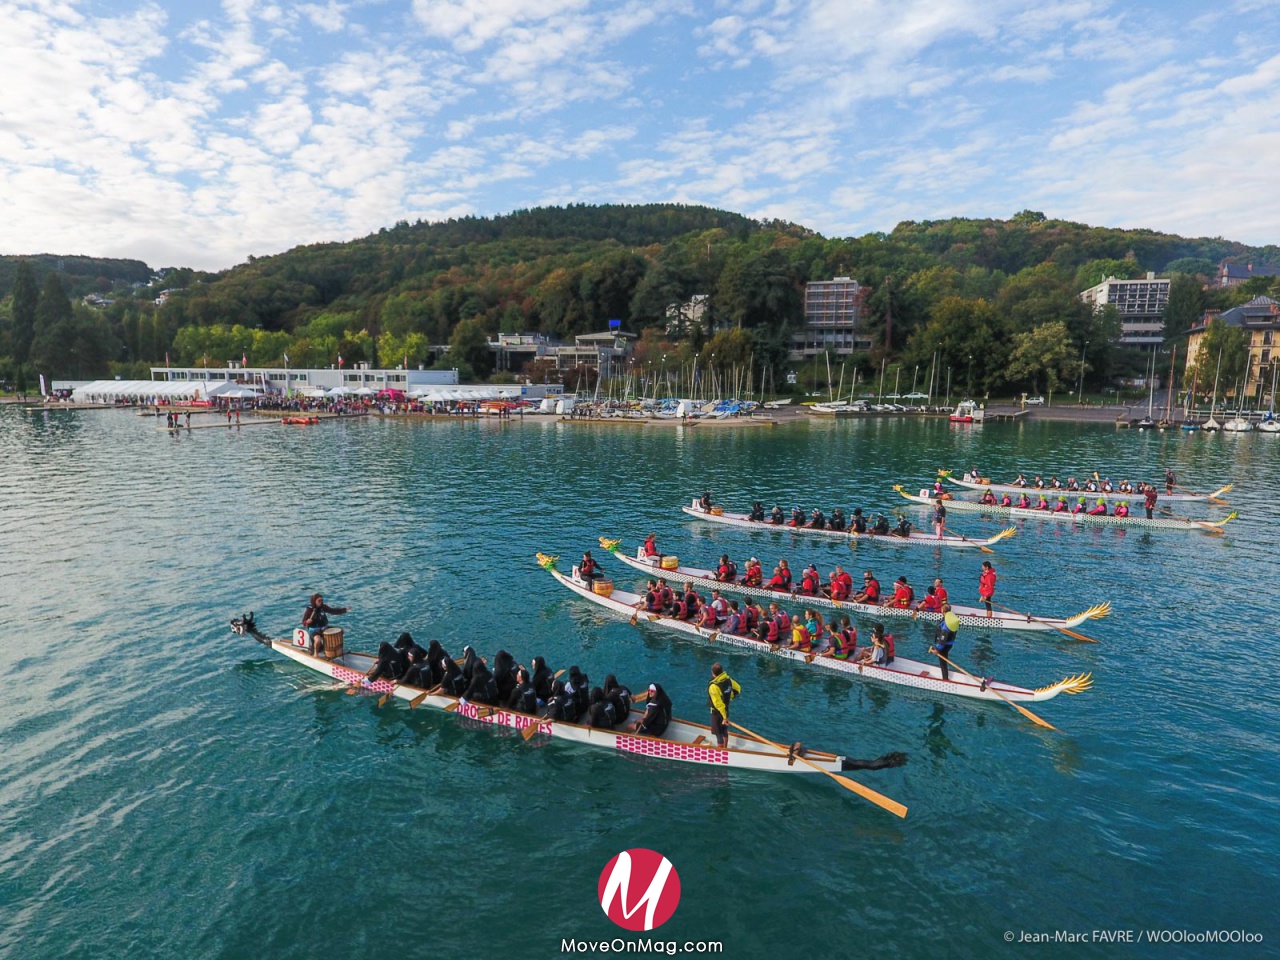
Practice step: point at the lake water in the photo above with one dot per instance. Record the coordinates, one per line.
(170, 790)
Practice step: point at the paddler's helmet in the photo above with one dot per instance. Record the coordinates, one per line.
(1081, 500)
(952, 621)
(1102, 500)
(1062, 498)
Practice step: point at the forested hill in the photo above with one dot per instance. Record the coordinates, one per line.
(80, 275)
(952, 287)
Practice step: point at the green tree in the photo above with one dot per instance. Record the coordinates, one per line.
(1185, 307)
(1229, 343)
(1042, 357)
(1095, 271)
(54, 330)
(26, 297)
(470, 345)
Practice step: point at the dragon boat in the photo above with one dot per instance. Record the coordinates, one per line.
(1025, 513)
(901, 671)
(975, 617)
(916, 539)
(1053, 493)
(682, 741)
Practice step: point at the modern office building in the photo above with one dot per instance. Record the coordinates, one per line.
(1140, 304)
(833, 316)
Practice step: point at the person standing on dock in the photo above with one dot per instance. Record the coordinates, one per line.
(987, 585)
(1170, 480)
(939, 516)
(1150, 502)
(722, 691)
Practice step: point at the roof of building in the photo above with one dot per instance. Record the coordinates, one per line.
(1260, 311)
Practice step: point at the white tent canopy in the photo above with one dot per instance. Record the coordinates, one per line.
(109, 391)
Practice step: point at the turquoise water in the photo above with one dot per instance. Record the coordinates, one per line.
(169, 790)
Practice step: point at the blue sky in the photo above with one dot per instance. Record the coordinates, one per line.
(199, 133)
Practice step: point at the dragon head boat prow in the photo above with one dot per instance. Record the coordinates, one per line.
(546, 562)
(610, 545)
(1073, 685)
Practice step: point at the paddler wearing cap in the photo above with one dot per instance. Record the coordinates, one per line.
(753, 576)
(945, 638)
(657, 713)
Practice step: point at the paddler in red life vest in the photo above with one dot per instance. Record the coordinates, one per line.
(903, 595)
(1150, 503)
(810, 582)
(665, 595)
(1079, 507)
(930, 602)
(841, 585)
(588, 569)
(987, 585)
(767, 628)
(1122, 509)
(688, 605)
(727, 572)
(870, 592)
(754, 575)
(1061, 506)
(940, 590)
(651, 546)
(938, 491)
(1099, 508)
(844, 640)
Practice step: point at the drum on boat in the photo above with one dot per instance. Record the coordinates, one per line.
(670, 562)
(332, 643)
(602, 587)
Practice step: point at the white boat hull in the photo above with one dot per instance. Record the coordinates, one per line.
(975, 617)
(1053, 494)
(682, 741)
(901, 672)
(1018, 513)
(917, 538)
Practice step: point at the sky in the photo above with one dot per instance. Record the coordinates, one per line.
(200, 133)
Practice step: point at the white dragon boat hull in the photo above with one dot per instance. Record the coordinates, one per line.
(975, 617)
(682, 741)
(948, 477)
(902, 672)
(1020, 513)
(917, 538)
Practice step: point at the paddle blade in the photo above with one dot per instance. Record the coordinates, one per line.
(879, 799)
(382, 700)
(413, 704)
(529, 731)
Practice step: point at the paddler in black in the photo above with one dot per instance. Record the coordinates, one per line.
(541, 679)
(390, 664)
(705, 500)
(578, 689)
(313, 618)
(757, 512)
(720, 693)
(776, 517)
(601, 713)
(522, 697)
(560, 705)
(657, 713)
(451, 680)
(504, 674)
(469, 660)
(859, 522)
(482, 688)
(417, 673)
(619, 696)
(436, 656)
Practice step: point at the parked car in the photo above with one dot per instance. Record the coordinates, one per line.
(1035, 401)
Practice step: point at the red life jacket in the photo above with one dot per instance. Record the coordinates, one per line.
(587, 567)
(839, 589)
(848, 641)
(650, 547)
(873, 590)
(888, 648)
(808, 586)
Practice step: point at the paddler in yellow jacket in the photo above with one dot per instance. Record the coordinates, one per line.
(720, 693)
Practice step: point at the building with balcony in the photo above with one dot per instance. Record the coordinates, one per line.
(1234, 274)
(833, 316)
(1260, 319)
(1140, 304)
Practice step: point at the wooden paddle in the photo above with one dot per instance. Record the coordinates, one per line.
(879, 799)
(1021, 709)
(1069, 633)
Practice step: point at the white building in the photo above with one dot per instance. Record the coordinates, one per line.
(272, 379)
(1140, 304)
(832, 319)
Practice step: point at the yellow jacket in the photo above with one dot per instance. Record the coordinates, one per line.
(721, 692)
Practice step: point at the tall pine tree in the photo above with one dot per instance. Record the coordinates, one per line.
(26, 295)
(54, 330)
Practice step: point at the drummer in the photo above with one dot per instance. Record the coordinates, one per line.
(314, 618)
